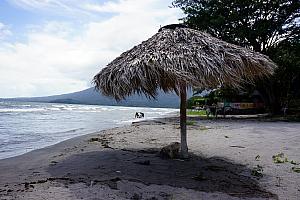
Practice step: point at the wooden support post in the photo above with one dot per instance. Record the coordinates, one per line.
(183, 106)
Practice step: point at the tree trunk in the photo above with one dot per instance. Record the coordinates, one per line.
(183, 105)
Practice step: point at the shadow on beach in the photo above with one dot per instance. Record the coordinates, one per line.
(145, 166)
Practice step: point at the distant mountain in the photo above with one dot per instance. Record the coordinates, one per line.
(90, 96)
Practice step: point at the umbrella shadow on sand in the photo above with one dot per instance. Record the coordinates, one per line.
(144, 166)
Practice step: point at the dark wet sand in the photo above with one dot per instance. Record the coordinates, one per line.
(123, 163)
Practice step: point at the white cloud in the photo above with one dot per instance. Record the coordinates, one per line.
(46, 4)
(61, 57)
(4, 31)
(122, 6)
(67, 8)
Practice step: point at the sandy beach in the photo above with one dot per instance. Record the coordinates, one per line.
(124, 163)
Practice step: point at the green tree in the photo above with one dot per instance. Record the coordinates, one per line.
(271, 27)
(258, 24)
(287, 77)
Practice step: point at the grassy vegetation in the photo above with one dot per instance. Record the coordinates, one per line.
(279, 158)
(196, 112)
(190, 123)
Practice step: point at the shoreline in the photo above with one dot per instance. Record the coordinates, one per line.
(111, 161)
(78, 131)
(130, 123)
(39, 127)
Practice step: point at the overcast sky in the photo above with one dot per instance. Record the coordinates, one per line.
(56, 46)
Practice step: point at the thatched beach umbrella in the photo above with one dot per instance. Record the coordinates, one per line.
(176, 58)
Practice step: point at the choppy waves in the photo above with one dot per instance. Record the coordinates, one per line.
(28, 126)
(37, 107)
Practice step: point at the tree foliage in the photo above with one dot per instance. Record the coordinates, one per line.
(258, 24)
(287, 76)
(271, 27)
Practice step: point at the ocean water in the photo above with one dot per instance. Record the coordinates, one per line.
(28, 126)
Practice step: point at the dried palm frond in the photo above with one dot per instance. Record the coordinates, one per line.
(179, 55)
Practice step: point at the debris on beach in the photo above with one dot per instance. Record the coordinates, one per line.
(257, 171)
(204, 128)
(53, 162)
(257, 158)
(279, 158)
(94, 140)
(170, 151)
(278, 180)
(294, 162)
(237, 146)
(296, 169)
(144, 162)
(104, 141)
(136, 197)
(199, 177)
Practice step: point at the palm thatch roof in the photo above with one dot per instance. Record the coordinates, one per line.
(179, 55)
